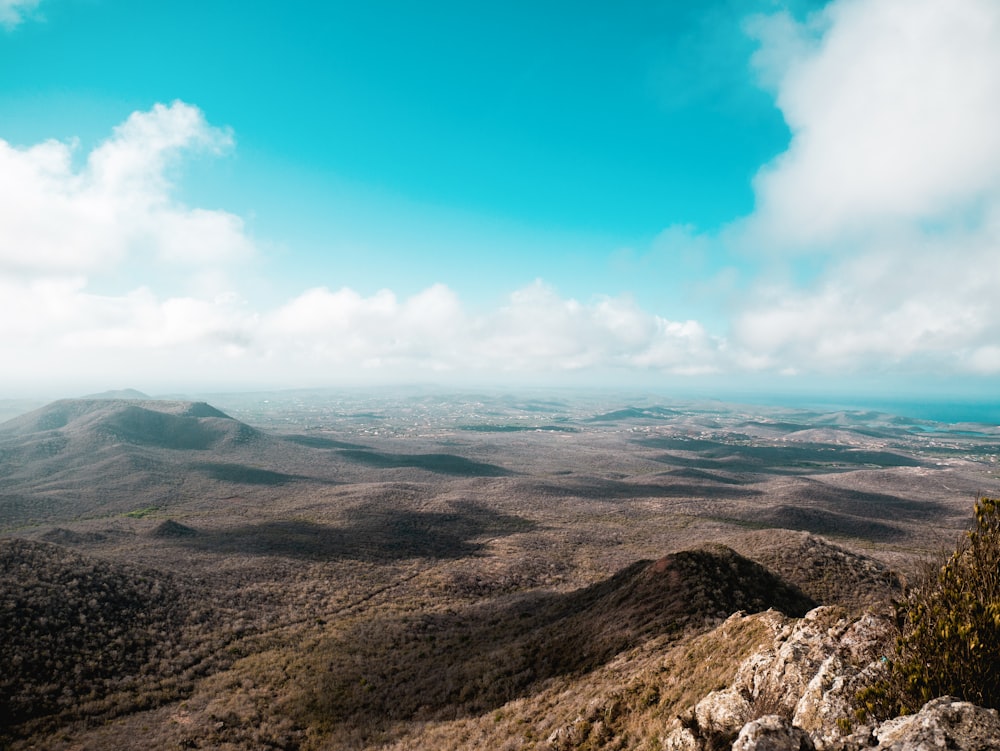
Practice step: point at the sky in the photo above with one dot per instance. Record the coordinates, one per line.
(795, 197)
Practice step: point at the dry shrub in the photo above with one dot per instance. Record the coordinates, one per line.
(949, 642)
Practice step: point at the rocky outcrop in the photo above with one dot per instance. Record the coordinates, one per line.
(807, 675)
(944, 723)
(794, 693)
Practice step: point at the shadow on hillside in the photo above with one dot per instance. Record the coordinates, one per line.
(446, 464)
(868, 504)
(841, 512)
(193, 432)
(776, 460)
(242, 473)
(821, 521)
(371, 534)
(467, 662)
(701, 475)
(321, 442)
(612, 490)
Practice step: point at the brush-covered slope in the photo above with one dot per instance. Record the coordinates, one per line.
(828, 573)
(163, 424)
(606, 666)
(83, 457)
(464, 663)
(82, 636)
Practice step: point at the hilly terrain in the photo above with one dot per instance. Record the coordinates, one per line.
(85, 457)
(311, 571)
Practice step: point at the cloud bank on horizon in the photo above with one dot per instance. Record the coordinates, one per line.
(889, 191)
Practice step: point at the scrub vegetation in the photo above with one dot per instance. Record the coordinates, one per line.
(949, 642)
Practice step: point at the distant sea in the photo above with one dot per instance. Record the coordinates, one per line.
(943, 411)
(937, 410)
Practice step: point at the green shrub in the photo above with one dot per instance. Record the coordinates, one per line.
(949, 642)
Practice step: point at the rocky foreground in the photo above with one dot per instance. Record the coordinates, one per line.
(795, 693)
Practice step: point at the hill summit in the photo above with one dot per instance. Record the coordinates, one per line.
(84, 457)
(163, 424)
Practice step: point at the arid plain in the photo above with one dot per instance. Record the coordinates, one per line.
(319, 570)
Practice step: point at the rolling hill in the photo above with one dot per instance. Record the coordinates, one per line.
(77, 458)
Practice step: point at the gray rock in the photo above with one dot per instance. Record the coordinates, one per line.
(943, 723)
(772, 733)
(794, 692)
(854, 662)
(681, 739)
(722, 713)
(807, 673)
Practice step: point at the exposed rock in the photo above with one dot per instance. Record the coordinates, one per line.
(794, 693)
(681, 739)
(721, 713)
(828, 696)
(944, 723)
(772, 733)
(807, 676)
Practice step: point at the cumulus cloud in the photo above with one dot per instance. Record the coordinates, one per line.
(906, 307)
(324, 336)
(57, 219)
(891, 179)
(536, 331)
(13, 12)
(894, 109)
(68, 229)
(69, 225)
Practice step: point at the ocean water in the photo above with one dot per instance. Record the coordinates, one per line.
(945, 411)
(936, 410)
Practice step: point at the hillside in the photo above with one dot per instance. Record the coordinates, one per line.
(166, 424)
(824, 572)
(78, 458)
(82, 637)
(94, 639)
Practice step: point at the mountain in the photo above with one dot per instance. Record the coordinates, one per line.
(167, 424)
(80, 457)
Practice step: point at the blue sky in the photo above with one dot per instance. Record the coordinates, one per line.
(785, 195)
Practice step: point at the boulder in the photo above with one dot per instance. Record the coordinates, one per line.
(772, 733)
(722, 713)
(943, 723)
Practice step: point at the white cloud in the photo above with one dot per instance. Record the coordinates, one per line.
(324, 336)
(894, 112)
(535, 332)
(892, 179)
(13, 12)
(902, 308)
(58, 220)
(67, 230)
